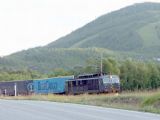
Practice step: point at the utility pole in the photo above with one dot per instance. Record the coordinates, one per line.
(101, 63)
(15, 89)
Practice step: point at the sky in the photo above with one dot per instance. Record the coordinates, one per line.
(26, 24)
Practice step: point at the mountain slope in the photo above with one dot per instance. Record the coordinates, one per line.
(48, 59)
(129, 29)
(133, 31)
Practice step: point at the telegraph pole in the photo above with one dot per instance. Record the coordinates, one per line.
(101, 63)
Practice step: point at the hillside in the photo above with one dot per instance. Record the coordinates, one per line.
(133, 31)
(134, 28)
(47, 59)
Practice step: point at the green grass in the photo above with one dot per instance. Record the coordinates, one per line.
(138, 101)
(152, 103)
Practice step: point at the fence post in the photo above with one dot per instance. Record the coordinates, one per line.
(5, 92)
(15, 89)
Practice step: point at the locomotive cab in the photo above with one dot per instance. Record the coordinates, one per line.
(111, 83)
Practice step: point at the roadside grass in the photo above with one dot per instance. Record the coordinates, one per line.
(148, 101)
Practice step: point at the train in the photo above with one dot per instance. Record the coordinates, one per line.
(87, 83)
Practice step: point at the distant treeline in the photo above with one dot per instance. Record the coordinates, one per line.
(134, 75)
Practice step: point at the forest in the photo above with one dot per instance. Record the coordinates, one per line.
(134, 74)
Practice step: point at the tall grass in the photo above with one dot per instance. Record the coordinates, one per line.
(140, 100)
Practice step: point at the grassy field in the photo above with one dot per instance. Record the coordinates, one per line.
(148, 101)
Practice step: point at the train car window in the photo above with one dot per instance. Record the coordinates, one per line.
(110, 79)
(106, 79)
(115, 79)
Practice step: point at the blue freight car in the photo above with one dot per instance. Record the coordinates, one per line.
(50, 85)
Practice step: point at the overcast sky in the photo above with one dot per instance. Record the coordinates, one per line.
(29, 23)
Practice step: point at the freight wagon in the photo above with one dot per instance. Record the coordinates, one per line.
(50, 85)
(21, 87)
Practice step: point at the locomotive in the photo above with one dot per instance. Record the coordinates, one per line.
(88, 83)
(93, 83)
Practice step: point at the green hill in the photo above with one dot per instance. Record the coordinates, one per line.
(47, 59)
(132, 28)
(133, 31)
